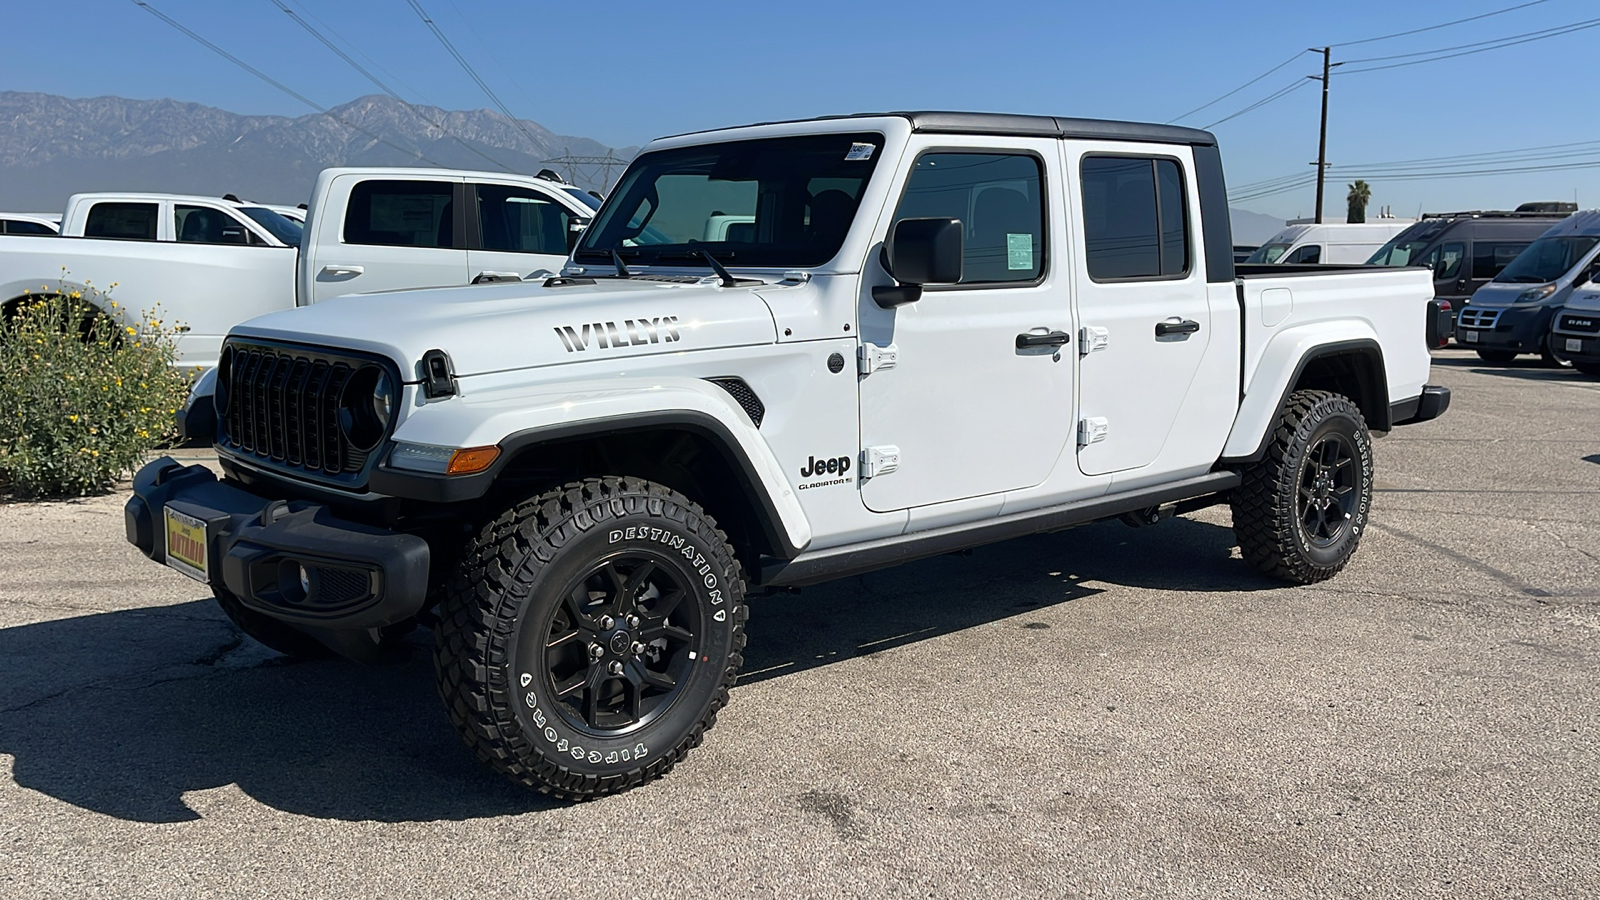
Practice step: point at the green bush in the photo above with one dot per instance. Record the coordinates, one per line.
(82, 397)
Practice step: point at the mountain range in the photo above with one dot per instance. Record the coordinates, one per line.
(52, 147)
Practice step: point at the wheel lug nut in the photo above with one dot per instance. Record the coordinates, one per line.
(607, 623)
(633, 621)
(596, 651)
(638, 648)
(615, 668)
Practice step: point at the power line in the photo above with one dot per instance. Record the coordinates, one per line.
(384, 87)
(1239, 88)
(1276, 95)
(1501, 44)
(467, 67)
(1385, 37)
(1543, 32)
(274, 82)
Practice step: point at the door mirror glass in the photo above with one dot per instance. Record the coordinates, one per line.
(926, 251)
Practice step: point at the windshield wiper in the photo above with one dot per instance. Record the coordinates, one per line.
(616, 259)
(699, 254)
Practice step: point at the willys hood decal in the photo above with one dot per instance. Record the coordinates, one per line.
(501, 327)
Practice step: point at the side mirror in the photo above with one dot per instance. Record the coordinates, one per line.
(919, 252)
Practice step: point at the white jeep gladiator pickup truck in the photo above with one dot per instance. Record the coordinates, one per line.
(909, 334)
(209, 264)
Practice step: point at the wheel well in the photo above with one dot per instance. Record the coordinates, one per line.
(683, 458)
(1355, 372)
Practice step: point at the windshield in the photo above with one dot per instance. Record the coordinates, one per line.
(1268, 253)
(1400, 253)
(278, 226)
(1546, 259)
(780, 202)
(584, 197)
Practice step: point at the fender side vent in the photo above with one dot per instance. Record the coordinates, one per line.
(744, 396)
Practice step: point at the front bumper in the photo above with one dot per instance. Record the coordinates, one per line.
(1519, 329)
(291, 560)
(1584, 348)
(1430, 404)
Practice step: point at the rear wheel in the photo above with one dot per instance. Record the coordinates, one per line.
(1496, 356)
(591, 635)
(1300, 510)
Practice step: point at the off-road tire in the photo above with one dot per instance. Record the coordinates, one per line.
(1547, 354)
(1587, 368)
(275, 634)
(514, 589)
(1268, 518)
(1498, 357)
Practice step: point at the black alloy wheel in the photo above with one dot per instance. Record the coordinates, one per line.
(617, 648)
(1328, 485)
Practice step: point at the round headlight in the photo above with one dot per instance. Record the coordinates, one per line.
(365, 406)
(219, 391)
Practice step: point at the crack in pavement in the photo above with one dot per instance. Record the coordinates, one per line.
(206, 664)
(1484, 568)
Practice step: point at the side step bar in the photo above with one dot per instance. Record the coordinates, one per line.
(853, 559)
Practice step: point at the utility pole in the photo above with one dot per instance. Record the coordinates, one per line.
(1322, 140)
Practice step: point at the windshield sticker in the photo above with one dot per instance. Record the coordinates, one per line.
(860, 151)
(1019, 251)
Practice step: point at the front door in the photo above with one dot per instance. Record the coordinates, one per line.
(397, 233)
(520, 230)
(965, 411)
(1142, 300)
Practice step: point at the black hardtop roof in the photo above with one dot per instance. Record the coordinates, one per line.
(938, 122)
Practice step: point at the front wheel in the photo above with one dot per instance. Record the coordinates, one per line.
(1588, 368)
(590, 636)
(1300, 510)
(1548, 357)
(1496, 356)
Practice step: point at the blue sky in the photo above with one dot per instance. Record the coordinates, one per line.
(623, 72)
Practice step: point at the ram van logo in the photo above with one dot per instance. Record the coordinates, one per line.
(627, 333)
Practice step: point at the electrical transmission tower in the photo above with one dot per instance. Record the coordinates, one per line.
(590, 168)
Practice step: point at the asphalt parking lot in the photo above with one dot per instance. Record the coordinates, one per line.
(1103, 712)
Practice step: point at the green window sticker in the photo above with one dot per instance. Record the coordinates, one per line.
(1019, 251)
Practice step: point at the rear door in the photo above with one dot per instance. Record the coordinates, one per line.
(517, 229)
(396, 232)
(1142, 299)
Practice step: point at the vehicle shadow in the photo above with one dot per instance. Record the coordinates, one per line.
(127, 713)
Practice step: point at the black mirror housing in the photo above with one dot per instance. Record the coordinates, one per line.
(919, 252)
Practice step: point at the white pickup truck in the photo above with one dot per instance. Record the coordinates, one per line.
(209, 263)
(908, 334)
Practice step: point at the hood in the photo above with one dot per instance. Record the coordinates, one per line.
(1497, 294)
(501, 327)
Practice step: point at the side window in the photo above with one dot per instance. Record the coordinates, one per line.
(204, 225)
(17, 227)
(521, 220)
(401, 214)
(1489, 257)
(1310, 253)
(129, 221)
(1447, 260)
(999, 199)
(1135, 218)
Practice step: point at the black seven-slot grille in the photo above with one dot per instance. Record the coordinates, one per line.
(283, 406)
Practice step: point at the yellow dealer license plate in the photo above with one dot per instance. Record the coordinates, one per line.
(186, 545)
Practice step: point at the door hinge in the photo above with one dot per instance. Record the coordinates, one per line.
(870, 358)
(1092, 430)
(879, 460)
(1091, 339)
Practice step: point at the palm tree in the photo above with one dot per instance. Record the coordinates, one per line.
(1360, 193)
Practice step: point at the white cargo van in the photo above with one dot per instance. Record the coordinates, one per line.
(1328, 243)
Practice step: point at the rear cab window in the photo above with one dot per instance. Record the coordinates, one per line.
(401, 214)
(1135, 218)
(121, 220)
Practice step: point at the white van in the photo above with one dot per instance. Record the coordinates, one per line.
(1329, 242)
